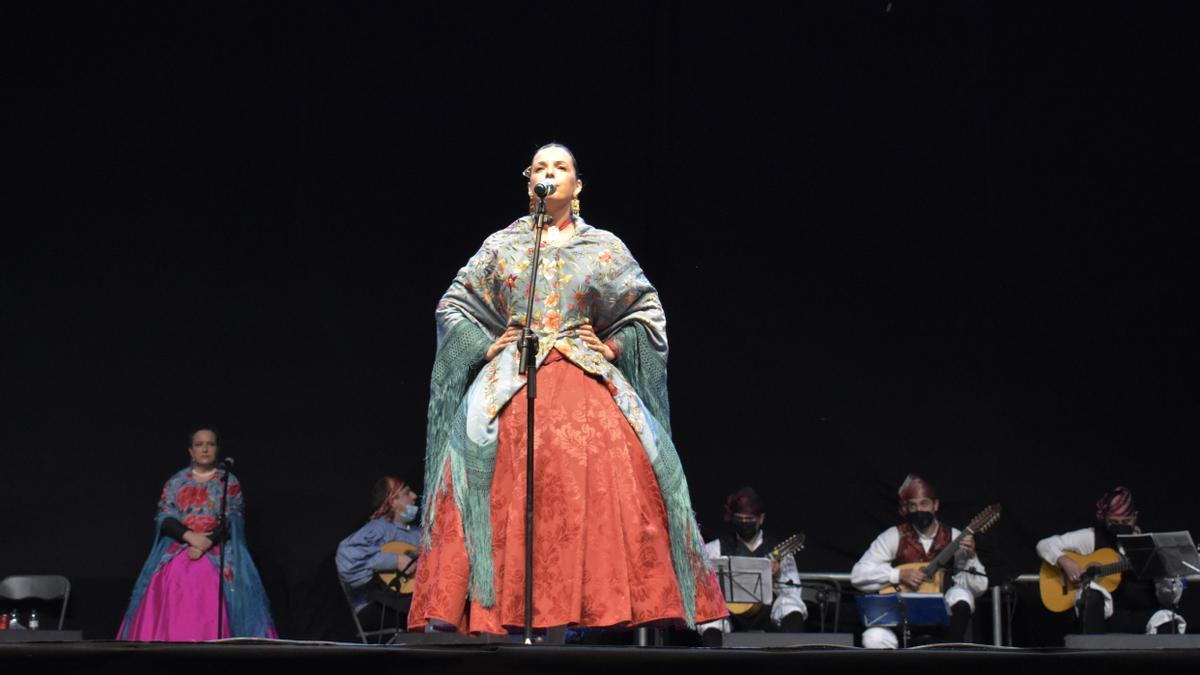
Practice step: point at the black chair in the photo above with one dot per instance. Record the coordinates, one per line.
(40, 586)
(364, 635)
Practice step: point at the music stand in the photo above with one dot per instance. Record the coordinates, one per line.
(744, 578)
(903, 610)
(1159, 555)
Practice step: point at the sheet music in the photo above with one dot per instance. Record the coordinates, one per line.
(744, 578)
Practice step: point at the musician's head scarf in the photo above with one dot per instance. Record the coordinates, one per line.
(914, 487)
(381, 495)
(745, 501)
(1116, 503)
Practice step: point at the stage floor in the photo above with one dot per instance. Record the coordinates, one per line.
(325, 658)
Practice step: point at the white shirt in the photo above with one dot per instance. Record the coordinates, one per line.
(1082, 542)
(874, 569)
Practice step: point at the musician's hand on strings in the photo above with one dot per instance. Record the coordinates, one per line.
(503, 341)
(912, 578)
(967, 545)
(1072, 569)
(593, 342)
(402, 562)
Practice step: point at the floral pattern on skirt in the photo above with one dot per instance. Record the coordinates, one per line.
(602, 553)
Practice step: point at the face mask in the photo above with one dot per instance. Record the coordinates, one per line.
(920, 519)
(408, 515)
(745, 530)
(1119, 528)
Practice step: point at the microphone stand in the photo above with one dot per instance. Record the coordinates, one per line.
(222, 527)
(528, 346)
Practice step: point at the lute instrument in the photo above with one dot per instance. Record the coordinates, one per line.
(934, 575)
(403, 580)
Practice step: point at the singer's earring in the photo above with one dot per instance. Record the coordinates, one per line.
(532, 206)
(575, 207)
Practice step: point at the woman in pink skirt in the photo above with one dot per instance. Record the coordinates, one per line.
(175, 598)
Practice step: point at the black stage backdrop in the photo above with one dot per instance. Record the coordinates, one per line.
(951, 238)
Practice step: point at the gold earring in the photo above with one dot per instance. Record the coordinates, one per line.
(532, 206)
(575, 207)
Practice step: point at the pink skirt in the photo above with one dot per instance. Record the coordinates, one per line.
(180, 604)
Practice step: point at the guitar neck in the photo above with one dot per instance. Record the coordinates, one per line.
(945, 554)
(789, 546)
(1112, 568)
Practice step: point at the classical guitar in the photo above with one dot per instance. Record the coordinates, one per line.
(788, 546)
(934, 575)
(406, 579)
(1103, 567)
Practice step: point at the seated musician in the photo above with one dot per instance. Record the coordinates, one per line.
(1136, 604)
(918, 540)
(360, 558)
(744, 536)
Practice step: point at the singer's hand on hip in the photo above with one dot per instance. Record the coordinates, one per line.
(589, 338)
(503, 341)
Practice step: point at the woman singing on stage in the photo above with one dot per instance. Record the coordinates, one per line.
(615, 540)
(175, 597)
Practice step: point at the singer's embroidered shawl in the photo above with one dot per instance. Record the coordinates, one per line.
(590, 276)
(197, 504)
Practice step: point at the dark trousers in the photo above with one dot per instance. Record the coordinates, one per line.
(1092, 621)
(757, 621)
(761, 621)
(955, 631)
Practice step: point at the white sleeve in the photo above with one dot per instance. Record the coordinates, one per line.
(713, 550)
(789, 597)
(976, 583)
(874, 569)
(1082, 542)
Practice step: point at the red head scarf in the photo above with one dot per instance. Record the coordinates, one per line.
(393, 487)
(914, 487)
(1117, 503)
(745, 501)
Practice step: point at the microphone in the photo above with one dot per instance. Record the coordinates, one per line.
(545, 189)
(226, 464)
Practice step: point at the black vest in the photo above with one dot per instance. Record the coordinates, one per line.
(731, 545)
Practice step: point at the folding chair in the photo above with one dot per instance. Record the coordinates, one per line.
(364, 635)
(40, 586)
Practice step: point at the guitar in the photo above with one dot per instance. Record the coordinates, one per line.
(407, 579)
(934, 575)
(788, 546)
(1103, 567)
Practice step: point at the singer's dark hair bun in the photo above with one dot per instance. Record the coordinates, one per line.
(192, 436)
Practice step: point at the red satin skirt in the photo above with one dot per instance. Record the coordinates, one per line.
(602, 552)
